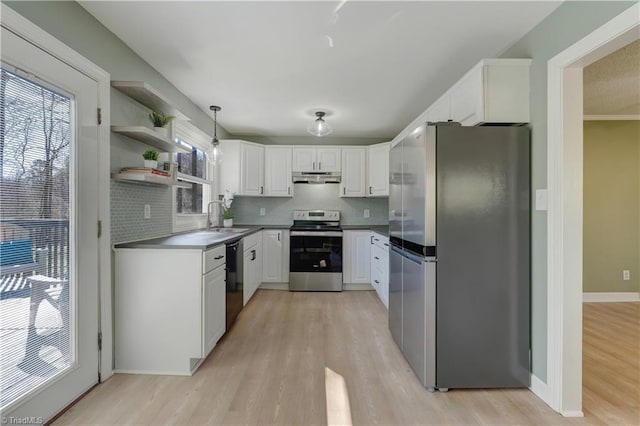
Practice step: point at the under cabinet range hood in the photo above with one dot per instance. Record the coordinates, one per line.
(316, 177)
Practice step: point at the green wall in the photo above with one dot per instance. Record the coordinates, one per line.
(611, 205)
(569, 23)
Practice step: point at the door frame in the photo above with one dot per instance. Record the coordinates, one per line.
(45, 41)
(565, 209)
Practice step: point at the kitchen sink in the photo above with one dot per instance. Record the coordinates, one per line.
(227, 230)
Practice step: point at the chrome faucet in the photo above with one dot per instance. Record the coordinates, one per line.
(209, 213)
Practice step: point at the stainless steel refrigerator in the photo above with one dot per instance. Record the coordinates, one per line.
(459, 209)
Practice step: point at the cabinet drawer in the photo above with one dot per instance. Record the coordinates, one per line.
(380, 240)
(213, 258)
(379, 258)
(250, 241)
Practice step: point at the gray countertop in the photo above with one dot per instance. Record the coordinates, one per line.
(203, 239)
(199, 240)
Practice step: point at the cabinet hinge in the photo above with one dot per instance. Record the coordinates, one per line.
(99, 115)
(99, 229)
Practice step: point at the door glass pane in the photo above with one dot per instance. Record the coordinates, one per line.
(35, 151)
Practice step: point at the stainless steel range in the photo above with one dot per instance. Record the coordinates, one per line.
(316, 251)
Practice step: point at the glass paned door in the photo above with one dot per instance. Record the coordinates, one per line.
(48, 243)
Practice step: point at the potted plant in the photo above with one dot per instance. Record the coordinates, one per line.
(150, 159)
(227, 214)
(160, 121)
(227, 217)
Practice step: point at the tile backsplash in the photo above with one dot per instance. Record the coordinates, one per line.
(309, 197)
(127, 211)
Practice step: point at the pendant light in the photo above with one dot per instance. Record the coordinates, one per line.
(320, 127)
(214, 154)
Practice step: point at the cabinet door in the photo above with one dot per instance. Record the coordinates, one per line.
(353, 172)
(440, 110)
(272, 249)
(356, 257)
(467, 98)
(251, 169)
(328, 159)
(213, 308)
(378, 170)
(304, 159)
(278, 181)
(247, 275)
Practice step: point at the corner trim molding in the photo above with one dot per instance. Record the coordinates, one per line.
(593, 297)
(564, 182)
(539, 388)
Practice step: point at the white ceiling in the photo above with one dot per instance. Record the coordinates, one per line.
(373, 66)
(612, 84)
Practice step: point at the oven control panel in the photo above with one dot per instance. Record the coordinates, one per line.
(332, 215)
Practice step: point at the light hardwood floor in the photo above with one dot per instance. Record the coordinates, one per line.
(270, 369)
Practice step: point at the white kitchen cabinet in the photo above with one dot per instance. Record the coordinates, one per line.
(277, 173)
(378, 170)
(251, 265)
(168, 316)
(275, 259)
(354, 165)
(213, 308)
(242, 168)
(316, 159)
(440, 110)
(329, 159)
(356, 257)
(251, 169)
(380, 266)
(494, 91)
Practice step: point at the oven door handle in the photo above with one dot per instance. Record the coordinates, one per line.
(315, 234)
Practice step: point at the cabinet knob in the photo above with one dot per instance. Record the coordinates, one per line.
(376, 257)
(369, 190)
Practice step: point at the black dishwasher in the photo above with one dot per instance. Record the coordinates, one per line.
(234, 282)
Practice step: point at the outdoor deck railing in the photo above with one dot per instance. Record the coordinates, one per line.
(52, 234)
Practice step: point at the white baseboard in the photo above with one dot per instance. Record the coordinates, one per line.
(357, 286)
(539, 388)
(573, 414)
(610, 297)
(275, 286)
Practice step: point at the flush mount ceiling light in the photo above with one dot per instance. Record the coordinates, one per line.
(320, 127)
(214, 154)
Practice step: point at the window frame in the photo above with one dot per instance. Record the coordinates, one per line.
(190, 134)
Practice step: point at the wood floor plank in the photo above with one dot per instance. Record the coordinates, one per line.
(270, 370)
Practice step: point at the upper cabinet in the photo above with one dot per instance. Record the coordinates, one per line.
(493, 91)
(242, 167)
(255, 170)
(277, 174)
(251, 169)
(315, 159)
(378, 170)
(354, 166)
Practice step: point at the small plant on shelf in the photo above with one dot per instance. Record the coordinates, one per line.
(150, 158)
(150, 155)
(159, 119)
(227, 214)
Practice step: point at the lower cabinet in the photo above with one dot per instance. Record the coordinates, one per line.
(275, 262)
(380, 266)
(251, 265)
(213, 308)
(169, 308)
(356, 257)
